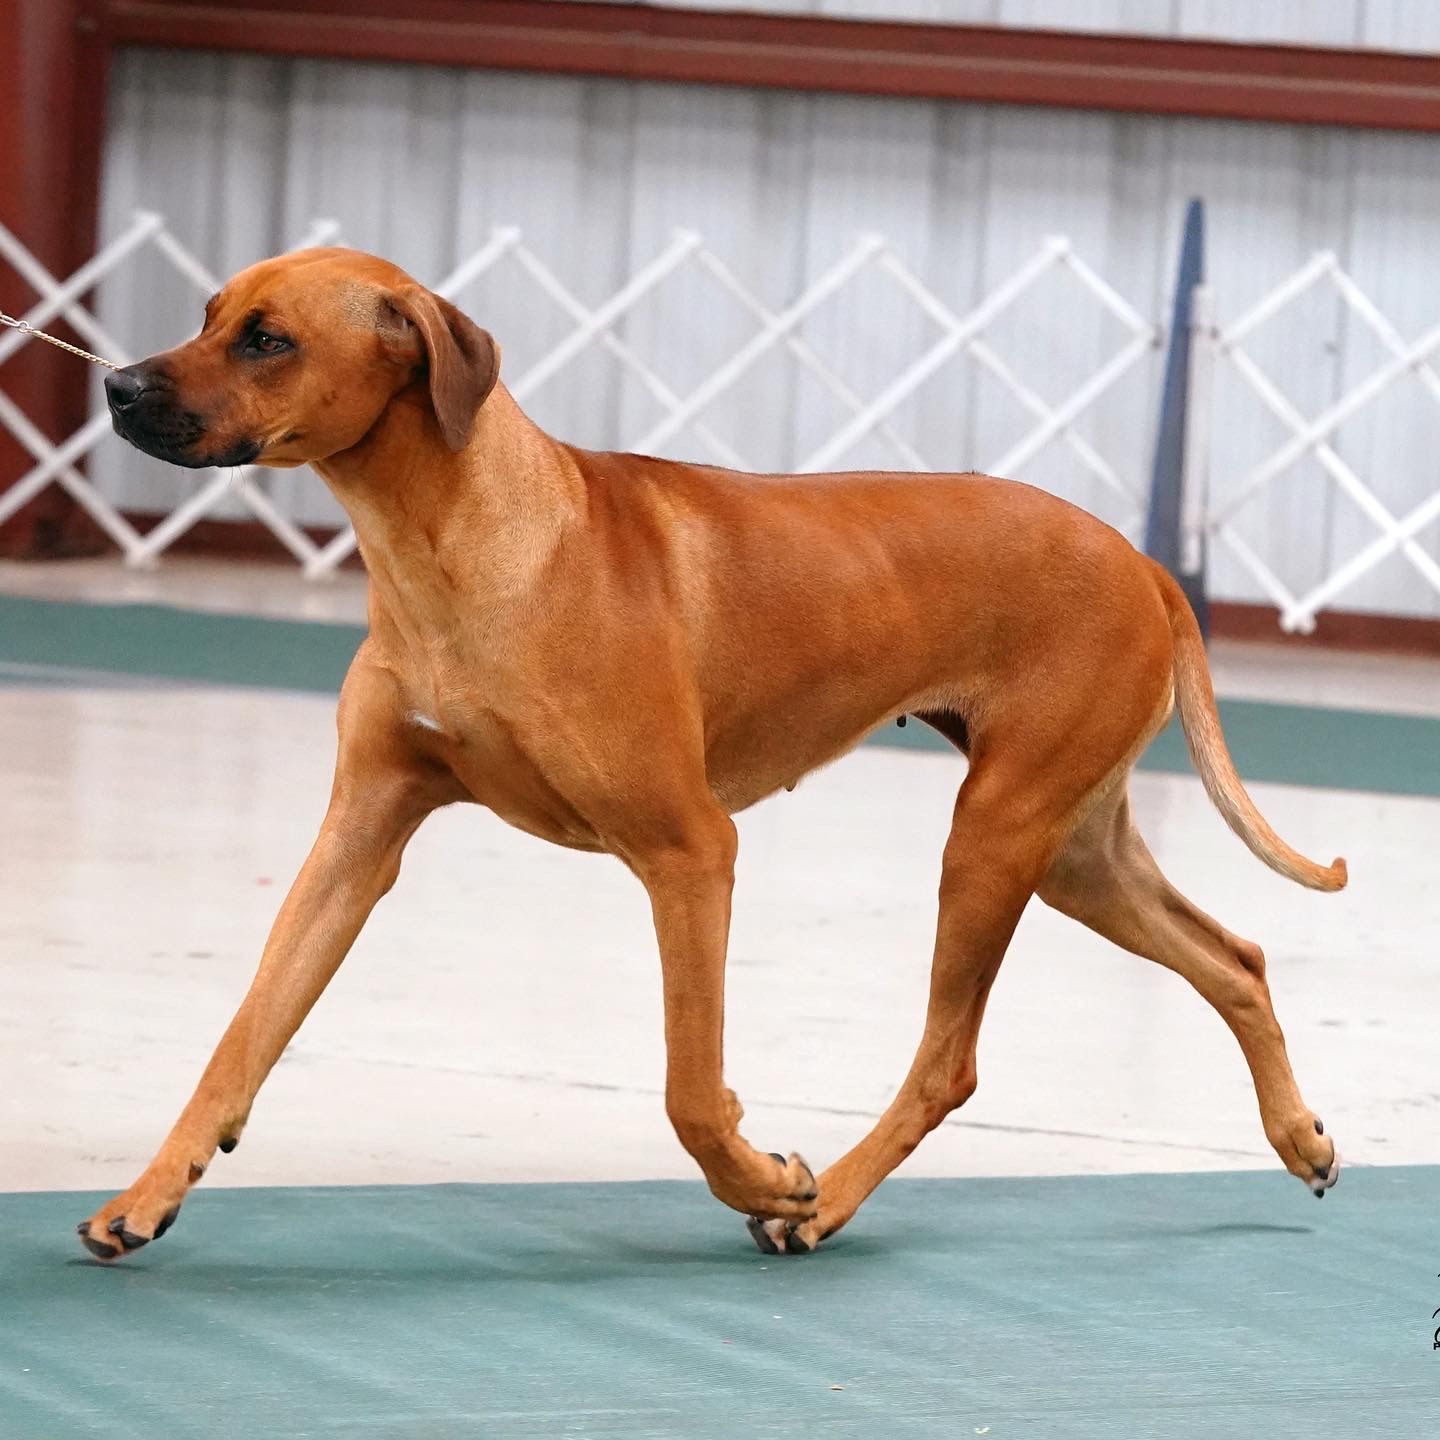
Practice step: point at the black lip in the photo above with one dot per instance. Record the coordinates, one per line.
(174, 444)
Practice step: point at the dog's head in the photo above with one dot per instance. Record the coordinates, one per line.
(298, 359)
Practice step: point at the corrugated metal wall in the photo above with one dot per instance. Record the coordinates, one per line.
(1383, 24)
(420, 163)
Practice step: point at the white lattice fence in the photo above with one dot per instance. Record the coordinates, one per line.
(685, 418)
(1218, 348)
(56, 464)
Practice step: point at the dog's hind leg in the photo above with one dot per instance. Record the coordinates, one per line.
(1106, 878)
(1008, 820)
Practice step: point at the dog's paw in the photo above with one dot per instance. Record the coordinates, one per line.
(783, 1237)
(110, 1239)
(778, 1235)
(1310, 1155)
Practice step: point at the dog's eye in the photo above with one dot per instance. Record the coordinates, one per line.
(264, 343)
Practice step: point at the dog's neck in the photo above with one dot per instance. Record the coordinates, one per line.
(441, 530)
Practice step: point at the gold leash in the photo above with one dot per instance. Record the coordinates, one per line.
(29, 329)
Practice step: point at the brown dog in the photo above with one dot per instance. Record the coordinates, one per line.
(618, 653)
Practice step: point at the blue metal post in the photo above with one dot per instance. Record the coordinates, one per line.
(1167, 476)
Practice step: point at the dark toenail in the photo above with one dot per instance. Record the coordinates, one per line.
(1322, 1171)
(228, 1144)
(1319, 1127)
(761, 1236)
(98, 1248)
(131, 1242)
(1319, 1194)
(809, 1194)
(794, 1244)
(166, 1221)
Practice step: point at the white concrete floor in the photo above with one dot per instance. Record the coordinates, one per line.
(499, 1019)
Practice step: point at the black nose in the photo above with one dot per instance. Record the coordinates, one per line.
(122, 389)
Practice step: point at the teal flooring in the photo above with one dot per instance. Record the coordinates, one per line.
(163, 642)
(43, 640)
(1097, 1308)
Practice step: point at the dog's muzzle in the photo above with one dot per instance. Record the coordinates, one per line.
(144, 410)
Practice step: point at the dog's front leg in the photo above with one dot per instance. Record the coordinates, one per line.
(690, 886)
(373, 812)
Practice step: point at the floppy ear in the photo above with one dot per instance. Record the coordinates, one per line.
(462, 360)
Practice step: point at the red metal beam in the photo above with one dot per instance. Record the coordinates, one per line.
(52, 78)
(1291, 84)
(1334, 630)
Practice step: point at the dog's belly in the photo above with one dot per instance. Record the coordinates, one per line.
(746, 762)
(738, 790)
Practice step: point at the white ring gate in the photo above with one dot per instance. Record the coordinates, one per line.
(1220, 346)
(1214, 348)
(56, 463)
(960, 334)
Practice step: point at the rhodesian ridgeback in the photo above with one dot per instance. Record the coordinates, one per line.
(618, 653)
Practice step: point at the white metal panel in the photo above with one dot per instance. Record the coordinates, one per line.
(942, 12)
(1045, 181)
(1401, 25)
(1409, 25)
(1294, 22)
(1390, 250)
(730, 165)
(1144, 17)
(241, 153)
(872, 170)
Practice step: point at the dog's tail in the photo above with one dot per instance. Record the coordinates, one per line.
(1201, 722)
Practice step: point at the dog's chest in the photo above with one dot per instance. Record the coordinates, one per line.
(492, 762)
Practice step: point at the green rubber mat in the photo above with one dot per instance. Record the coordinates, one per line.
(1291, 744)
(161, 641)
(1098, 1308)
